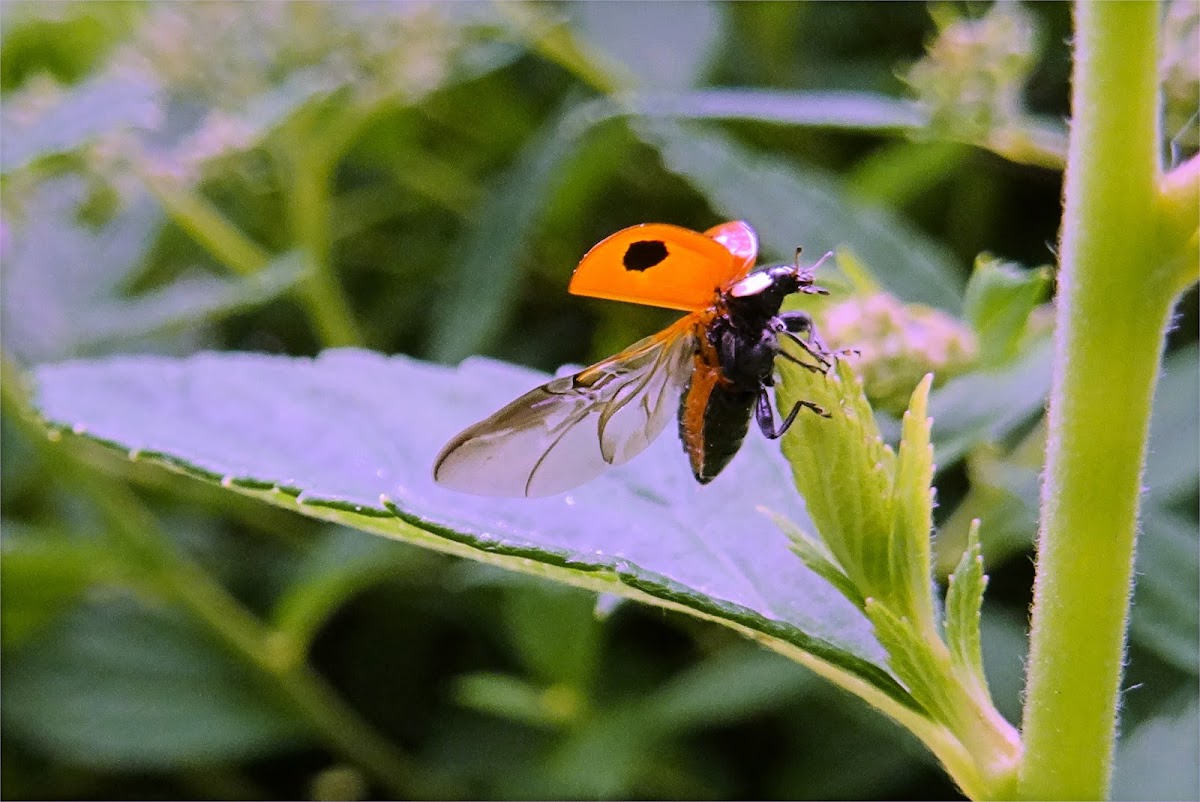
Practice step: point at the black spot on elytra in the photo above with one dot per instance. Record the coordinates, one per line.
(644, 255)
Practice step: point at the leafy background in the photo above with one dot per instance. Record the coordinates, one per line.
(421, 180)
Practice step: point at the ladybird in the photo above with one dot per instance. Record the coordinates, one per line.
(712, 367)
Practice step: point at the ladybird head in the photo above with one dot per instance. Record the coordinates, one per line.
(780, 280)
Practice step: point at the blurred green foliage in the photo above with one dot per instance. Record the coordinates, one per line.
(422, 179)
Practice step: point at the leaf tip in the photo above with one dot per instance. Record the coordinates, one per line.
(777, 518)
(973, 538)
(918, 406)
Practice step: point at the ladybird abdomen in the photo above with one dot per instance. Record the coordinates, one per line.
(713, 421)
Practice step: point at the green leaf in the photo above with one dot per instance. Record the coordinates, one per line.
(61, 121)
(612, 751)
(999, 298)
(124, 687)
(554, 630)
(1172, 461)
(913, 661)
(1005, 494)
(912, 510)
(901, 172)
(724, 689)
(44, 575)
(64, 283)
(684, 37)
(851, 755)
(921, 660)
(1003, 497)
(873, 510)
(814, 555)
(66, 41)
(985, 405)
(1005, 641)
(843, 470)
(343, 564)
(57, 270)
(1165, 617)
(351, 437)
(1031, 140)
(187, 301)
(861, 111)
(1158, 759)
(605, 758)
(791, 206)
(964, 602)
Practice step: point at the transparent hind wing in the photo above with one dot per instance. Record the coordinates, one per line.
(646, 402)
(569, 430)
(538, 434)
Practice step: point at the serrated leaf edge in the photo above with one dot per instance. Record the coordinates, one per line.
(909, 555)
(913, 661)
(964, 603)
(618, 577)
(816, 557)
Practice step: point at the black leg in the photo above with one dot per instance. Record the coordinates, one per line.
(795, 322)
(789, 324)
(802, 323)
(816, 350)
(765, 416)
(816, 408)
(795, 360)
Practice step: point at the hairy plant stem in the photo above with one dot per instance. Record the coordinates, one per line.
(1114, 301)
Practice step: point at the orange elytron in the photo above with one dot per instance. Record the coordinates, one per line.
(714, 366)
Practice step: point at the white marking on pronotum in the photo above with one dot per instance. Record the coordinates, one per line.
(134, 453)
(226, 481)
(79, 428)
(752, 284)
